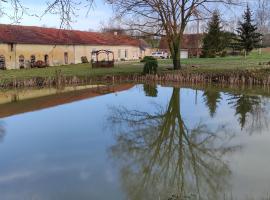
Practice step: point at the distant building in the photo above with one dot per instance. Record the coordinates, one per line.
(191, 45)
(266, 40)
(22, 45)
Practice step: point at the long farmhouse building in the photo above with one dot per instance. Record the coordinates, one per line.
(22, 45)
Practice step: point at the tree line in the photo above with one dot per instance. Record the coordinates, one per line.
(245, 39)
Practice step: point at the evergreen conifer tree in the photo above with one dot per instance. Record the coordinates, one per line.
(249, 38)
(213, 42)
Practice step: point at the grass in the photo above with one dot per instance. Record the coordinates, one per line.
(225, 64)
(125, 68)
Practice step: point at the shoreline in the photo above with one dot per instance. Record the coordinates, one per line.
(252, 77)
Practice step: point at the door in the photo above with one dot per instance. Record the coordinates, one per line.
(21, 61)
(2, 62)
(46, 60)
(184, 54)
(66, 58)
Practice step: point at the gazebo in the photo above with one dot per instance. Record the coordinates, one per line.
(105, 62)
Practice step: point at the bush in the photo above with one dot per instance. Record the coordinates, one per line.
(208, 54)
(40, 64)
(84, 59)
(147, 58)
(150, 66)
(223, 54)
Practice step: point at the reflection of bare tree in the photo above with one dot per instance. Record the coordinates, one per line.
(160, 156)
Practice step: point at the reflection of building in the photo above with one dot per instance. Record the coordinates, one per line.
(191, 45)
(32, 100)
(20, 46)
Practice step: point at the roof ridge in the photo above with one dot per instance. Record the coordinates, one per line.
(50, 28)
(44, 35)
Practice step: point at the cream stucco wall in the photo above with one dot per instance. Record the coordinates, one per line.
(56, 53)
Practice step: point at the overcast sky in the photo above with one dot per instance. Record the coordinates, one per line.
(101, 13)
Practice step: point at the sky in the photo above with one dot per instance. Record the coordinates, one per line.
(100, 14)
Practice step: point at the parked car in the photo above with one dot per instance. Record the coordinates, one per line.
(160, 54)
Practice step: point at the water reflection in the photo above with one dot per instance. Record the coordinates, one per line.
(251, 112)
(212, 98)
(161, 157)
(150, 90)
(2, 131)
(243, 105)
(168, 147)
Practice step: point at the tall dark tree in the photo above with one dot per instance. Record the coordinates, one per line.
(249, 37)
(212, 40)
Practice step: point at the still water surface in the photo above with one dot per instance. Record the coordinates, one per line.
(148, 142)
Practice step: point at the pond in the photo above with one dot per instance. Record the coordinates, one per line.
(140, 142)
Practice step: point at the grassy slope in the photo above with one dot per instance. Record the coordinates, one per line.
(201, 65)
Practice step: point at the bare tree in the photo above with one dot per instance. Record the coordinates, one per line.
(17, 12)
(166, 17)
(66, 10)
(263, 16)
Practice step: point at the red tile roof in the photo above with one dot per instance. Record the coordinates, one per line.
(38, 35)
(189, 41)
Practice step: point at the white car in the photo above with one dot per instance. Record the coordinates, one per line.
(161, 55)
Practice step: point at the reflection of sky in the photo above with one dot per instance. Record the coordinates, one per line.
(61, 152)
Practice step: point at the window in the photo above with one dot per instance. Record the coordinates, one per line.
(32, 60)
(66, 58)
(46, 59)
(21, 61)
(93, 57)
(119, 53)
(2, 62)
(11, 47)
(126, 53)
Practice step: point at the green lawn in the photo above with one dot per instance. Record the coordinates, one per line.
(224, 64)
(201, 65)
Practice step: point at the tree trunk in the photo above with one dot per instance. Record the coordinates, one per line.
(175, 51)
(176, 60)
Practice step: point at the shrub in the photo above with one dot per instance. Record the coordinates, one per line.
(40, 64)
(150, 66)
(84, 59)
(146, 58)
(223, 54)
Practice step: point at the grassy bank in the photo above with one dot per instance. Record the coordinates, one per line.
(255, 63)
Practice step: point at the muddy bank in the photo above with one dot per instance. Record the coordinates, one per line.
(248, 77)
